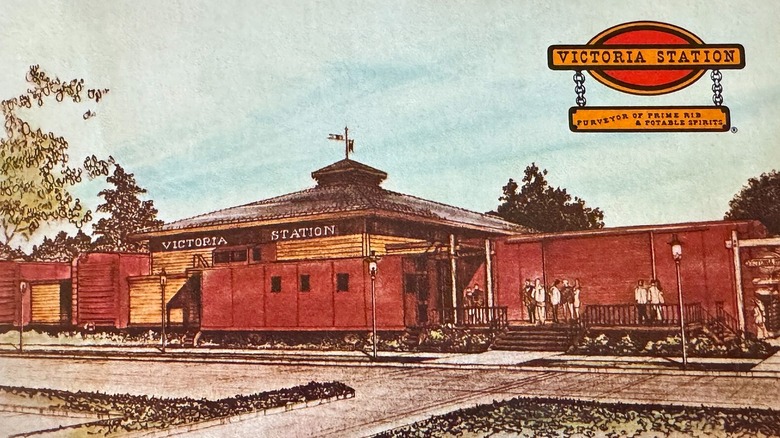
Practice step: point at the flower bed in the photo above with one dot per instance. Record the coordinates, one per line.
(698, 345)
(138, 413)
(532, 417)
(449, 339)
(446, 339)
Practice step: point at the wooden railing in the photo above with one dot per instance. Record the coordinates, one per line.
(725, 319)
(629, 314)
(485, 317)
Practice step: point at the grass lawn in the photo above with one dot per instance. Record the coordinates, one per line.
(545, 417)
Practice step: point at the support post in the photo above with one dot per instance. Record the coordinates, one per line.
(453, 279)
(738, 281)
(652, 254)
(489, 273)
(682, 315)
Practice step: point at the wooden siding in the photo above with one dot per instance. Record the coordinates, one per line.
(321, 248)
(378, 243)
(46, 303)
(97, 292)
(177, 262)
(145, 299)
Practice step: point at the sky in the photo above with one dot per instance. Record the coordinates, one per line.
(216, 104)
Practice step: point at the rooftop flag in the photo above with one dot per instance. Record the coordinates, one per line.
(349, 145)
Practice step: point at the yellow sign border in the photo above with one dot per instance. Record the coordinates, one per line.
(648, 119)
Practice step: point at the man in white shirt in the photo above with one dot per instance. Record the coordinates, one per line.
(640, 296)
(555, 299)
(540, 297)
(656, 297)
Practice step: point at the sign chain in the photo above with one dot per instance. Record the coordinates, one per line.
(717, 88)
(579, 88)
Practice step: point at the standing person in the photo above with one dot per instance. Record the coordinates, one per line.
(539, 302)
(759, 315)
(478, 296)
(468, 297)
(468, 302)
(640, 296)
(527, 295)
(576, 290)
(656, 298)
(555, 299)
(567, 297)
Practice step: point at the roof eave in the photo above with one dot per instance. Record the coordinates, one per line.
(325, 216)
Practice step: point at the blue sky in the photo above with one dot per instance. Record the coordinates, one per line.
(214, 104)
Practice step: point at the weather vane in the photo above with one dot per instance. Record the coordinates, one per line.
(349, 145)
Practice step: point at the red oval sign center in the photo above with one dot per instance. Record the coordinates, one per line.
(648, 82)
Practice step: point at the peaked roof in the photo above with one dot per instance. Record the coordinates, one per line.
(346, 186)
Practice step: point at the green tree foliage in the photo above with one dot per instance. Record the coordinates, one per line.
(35, 178)
(127, 214)
(759, 199)
(63, 248)
(541, 207)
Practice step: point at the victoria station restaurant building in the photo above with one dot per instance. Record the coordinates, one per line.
(301, 262)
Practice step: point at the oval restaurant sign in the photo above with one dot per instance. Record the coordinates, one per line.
(647, 58)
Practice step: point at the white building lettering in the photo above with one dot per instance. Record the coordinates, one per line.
(197, 242)
(303, 232)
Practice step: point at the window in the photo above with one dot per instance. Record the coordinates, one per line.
(229, 256)
(304, 285)
(276, 284)
(342, 282)
(256, 254)
(221, 257)
(238, 255)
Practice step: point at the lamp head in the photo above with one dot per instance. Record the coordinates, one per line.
(163, 277)
(676, 248)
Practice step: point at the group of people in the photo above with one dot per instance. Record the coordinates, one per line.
(649, 301)
(475, 297)
(540, 303)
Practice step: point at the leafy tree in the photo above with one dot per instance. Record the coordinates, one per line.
(36, 178)
(127, 213)
(759, 199)
(541, 207)
(63, 248)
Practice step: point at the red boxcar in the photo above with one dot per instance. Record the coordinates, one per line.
(101, 294)
(305, 295)
(46, 292)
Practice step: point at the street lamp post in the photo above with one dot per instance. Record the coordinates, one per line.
(372, 271)
(677, 256)
(23, 286)
(163, 281)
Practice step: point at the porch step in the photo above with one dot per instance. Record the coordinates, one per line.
(535, 338)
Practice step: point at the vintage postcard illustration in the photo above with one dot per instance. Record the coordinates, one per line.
(389, 219)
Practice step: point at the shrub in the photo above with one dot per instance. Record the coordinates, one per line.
(450, 339)
(698, 345)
